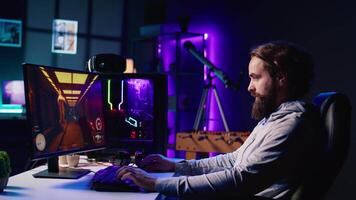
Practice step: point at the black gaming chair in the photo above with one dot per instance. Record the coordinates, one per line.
(335, 112)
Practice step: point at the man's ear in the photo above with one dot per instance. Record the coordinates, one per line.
(281, 79)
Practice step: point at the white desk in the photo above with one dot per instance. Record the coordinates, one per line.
(23, 186)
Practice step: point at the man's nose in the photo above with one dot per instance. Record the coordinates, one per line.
(250, 87)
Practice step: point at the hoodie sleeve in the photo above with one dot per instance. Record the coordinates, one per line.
(260, 169)
(207, 165)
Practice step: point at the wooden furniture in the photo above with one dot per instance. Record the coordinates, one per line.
(209, 141)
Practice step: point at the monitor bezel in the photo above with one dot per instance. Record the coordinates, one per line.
(33, 155)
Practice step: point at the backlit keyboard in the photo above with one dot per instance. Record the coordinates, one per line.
(105, 180)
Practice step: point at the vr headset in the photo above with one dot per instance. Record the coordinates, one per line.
(106, 64)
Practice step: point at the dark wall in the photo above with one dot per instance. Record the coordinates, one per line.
(99, 31)
(10, 57)
(326, 29)
(100, 28)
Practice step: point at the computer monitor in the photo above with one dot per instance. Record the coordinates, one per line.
(65, 115)
(136, 112)
(13, 92)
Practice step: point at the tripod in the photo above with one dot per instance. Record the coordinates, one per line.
(202, 105)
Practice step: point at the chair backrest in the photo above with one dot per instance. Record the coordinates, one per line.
(335, 113)
(335, 110)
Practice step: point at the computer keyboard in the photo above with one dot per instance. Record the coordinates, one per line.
(106, 180)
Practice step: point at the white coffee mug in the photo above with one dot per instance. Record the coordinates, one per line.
(73, 160)
(62, 160)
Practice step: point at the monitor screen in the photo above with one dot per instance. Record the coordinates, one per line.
(13, 92)
(136, 108)
(64, 111)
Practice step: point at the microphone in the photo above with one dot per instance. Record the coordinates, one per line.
(218, 72)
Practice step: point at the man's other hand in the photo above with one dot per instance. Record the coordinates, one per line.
(157, 162)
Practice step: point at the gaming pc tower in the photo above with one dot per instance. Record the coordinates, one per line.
(136, 112)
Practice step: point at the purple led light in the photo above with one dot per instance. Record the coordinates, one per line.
(167, 54)
(167, 57)
(170, 153)
(212, 154)
(139, 95)
(13, 92)
(139, 84)
(159, 49)
(211, 31)
(205, 68)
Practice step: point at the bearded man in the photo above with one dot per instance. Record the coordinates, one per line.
(273, 159)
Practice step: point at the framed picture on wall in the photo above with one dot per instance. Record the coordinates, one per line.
(10, 32)
(64, 36)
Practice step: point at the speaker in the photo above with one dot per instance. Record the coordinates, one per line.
(106, 64)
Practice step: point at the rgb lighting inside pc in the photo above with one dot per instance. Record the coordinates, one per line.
(132, 107)
(136, 112)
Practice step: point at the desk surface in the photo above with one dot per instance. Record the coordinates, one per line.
(23, 186)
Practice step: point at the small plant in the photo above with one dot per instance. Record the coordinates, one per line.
(5, 168)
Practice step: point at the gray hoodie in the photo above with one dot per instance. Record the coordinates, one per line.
(270, 163)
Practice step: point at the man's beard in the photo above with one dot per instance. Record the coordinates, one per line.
(264, 105)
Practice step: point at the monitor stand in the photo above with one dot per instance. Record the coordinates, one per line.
(54, 171)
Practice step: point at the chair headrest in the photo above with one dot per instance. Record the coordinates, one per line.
(335, 110)
(326, 99)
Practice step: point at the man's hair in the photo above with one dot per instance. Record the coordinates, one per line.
(291, 60)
